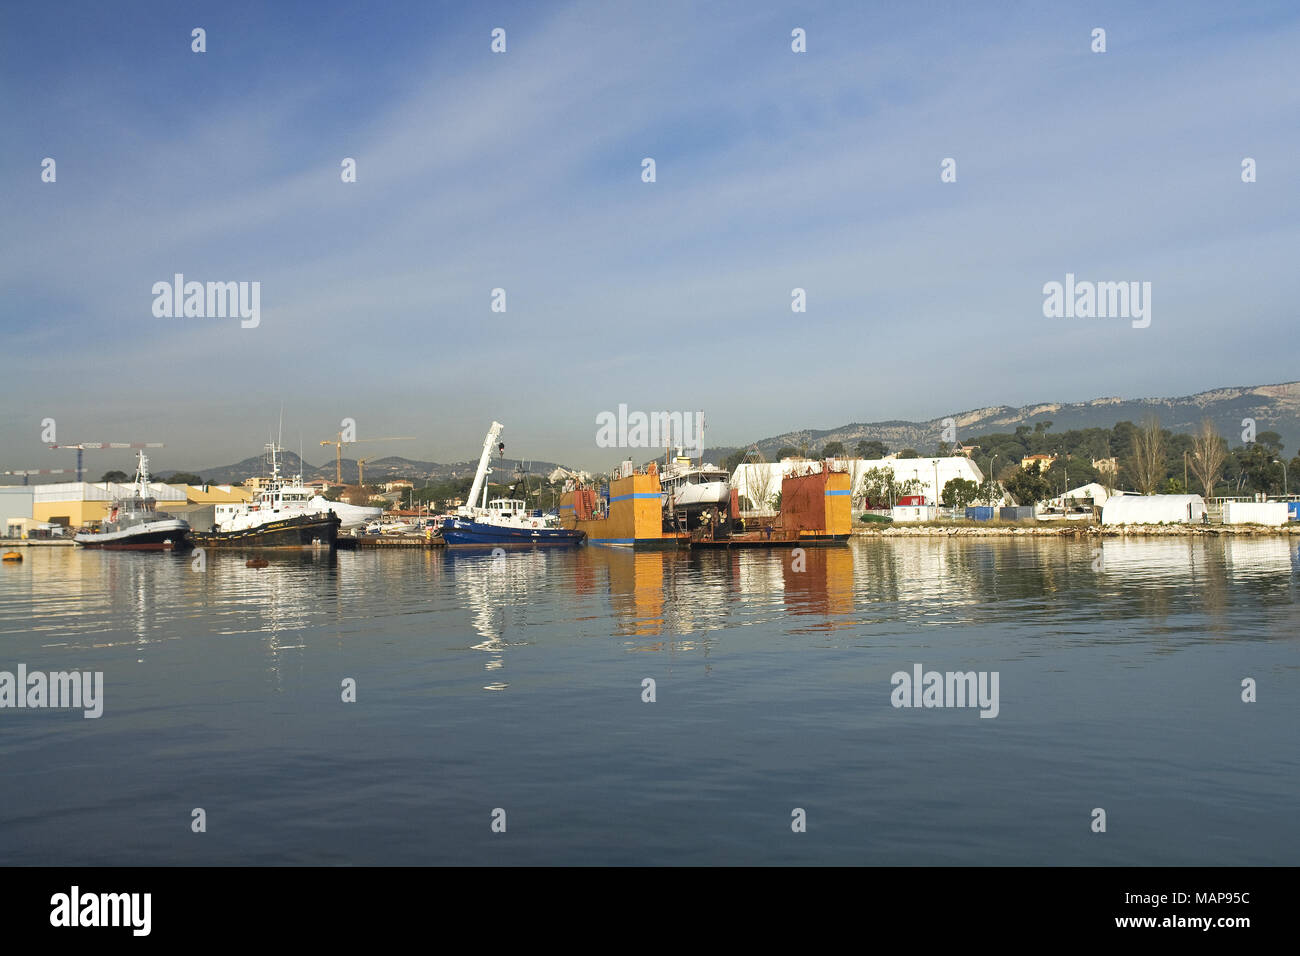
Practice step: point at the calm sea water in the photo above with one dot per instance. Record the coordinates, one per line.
(517, 684)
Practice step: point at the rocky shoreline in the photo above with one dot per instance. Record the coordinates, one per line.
(1073, 531)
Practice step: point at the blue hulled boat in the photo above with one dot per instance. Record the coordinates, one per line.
(503, 521)
(508, 522)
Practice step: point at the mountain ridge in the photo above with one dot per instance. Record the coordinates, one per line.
(1274, 407)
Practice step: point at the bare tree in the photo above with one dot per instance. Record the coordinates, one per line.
(1209, 451)
(1147, 463)
(758, 480)
(760, 486)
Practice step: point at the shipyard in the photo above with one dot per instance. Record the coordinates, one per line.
(596, 437)
(678, 500)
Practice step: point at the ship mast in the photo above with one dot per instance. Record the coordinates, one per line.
(142, 475)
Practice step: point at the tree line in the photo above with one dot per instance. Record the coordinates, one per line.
(1143, 457)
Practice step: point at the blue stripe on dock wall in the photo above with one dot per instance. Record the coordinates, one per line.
(829, 493)
(640, 494)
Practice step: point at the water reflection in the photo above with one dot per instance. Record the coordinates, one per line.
(498, 588)
(675, 594)
(1179, 589)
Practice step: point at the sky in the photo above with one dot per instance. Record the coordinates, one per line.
(522, 171)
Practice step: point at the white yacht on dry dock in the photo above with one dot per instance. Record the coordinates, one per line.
(690, 490)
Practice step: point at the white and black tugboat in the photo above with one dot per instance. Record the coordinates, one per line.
(133, 523)
(282, 515)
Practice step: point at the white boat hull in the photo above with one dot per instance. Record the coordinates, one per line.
(705, 494)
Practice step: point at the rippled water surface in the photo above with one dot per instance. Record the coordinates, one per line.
(517, 684)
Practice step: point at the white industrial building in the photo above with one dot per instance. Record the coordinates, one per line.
(914, 513)
(102, 491)
(760, 482)
(1153, 509)
(15, 510)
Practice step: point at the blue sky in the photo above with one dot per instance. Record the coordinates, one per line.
(521, 170)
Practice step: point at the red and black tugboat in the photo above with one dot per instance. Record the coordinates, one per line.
(133, 522)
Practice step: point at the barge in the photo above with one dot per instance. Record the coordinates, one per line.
(634, 511)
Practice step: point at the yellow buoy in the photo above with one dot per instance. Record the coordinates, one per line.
(13, 556)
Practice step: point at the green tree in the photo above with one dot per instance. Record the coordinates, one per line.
(960, 492)
(880, 487)
(786, 451)
(833, 449)
(115, 476)
(1270, 441)
(1028, 486)
(871, 450)
(990, 492)
(908, 453)
(185, 478)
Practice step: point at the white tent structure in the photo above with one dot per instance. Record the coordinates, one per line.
(100, 491)
(1153, 509)
(1090, 495)
(1097, 493)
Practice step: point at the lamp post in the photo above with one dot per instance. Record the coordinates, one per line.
(1279, 461)
(992, 478)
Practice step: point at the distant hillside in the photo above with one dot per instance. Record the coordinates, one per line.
(1273, 407)
(377, 470)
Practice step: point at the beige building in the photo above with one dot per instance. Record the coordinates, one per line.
(1043, 461)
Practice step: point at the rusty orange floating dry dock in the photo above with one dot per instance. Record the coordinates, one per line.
(815, 509)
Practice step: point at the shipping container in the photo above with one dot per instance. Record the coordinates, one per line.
(1273, 513)
(1016, 513)
(979, 513)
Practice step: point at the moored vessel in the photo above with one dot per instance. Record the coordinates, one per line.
(502, 521)
(133, 523)
(282, 515)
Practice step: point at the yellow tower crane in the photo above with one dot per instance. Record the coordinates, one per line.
(338, 452)
(361, 470)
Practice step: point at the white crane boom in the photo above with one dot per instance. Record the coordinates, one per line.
(480, 476)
